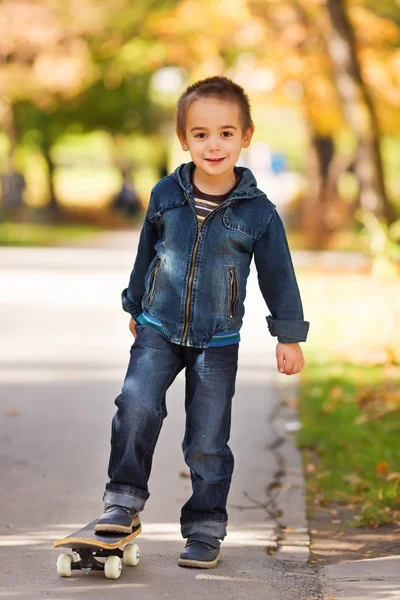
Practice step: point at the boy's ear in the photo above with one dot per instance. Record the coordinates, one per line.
(182, 141)
(247, 137)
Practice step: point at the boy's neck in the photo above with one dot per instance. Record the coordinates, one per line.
(210, 184)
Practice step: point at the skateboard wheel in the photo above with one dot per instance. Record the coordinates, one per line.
(64, 562)
(131, 555)
(113, 567)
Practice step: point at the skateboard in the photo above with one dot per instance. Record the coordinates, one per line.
(89, 548)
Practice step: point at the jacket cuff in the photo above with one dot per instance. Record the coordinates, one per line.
(288, 331)
(129, 306)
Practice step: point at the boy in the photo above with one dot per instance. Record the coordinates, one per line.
(185, 296)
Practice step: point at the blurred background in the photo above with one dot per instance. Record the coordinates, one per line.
(88, 94)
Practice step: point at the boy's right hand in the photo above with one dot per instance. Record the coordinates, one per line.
(132, 327)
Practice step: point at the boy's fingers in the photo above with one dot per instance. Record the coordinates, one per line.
(288, 367)
(132, 327)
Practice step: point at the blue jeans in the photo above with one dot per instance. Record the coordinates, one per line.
(210, 387)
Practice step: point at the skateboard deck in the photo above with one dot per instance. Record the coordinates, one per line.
(89, 546)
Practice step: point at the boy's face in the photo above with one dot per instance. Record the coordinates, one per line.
(214, 136)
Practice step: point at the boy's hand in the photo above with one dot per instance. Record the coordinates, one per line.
(289, 358)
(132, 327)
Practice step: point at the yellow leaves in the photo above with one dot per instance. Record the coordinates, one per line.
(63, 71)
(382, 469)
(372, 29)
(377, 401)
(205, 15)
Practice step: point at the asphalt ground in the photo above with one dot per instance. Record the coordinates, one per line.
(64, 351)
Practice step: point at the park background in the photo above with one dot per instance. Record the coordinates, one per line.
(88, 93)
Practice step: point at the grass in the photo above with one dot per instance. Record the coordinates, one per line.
(350, 394)
(350, 436)
(34, 234)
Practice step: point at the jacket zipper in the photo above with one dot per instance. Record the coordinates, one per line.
(152, 281)
(191, 273)
(233, 290)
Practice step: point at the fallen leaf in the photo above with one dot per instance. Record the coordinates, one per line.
(12, 412)
(184, 474)
(291, 401)
(382, 469)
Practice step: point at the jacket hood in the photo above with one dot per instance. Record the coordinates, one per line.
(247, 187)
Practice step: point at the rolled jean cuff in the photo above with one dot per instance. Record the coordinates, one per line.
(288, 331)
(125, 499)
(215, 528)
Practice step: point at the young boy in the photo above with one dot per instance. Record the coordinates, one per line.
(203, 225)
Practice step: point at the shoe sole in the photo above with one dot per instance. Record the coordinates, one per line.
(199, 564)
(110, 528)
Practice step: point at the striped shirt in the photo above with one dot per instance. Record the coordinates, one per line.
(204, 205)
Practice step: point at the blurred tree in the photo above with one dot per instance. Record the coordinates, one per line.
(300, 32)
(73, 63)
(90, 63)
(359, 109)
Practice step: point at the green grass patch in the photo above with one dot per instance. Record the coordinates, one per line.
(35, 234)
(350, 438)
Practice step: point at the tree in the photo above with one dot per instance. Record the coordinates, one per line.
(67, 63)
(359, 110)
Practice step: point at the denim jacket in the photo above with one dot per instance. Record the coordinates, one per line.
(191, 276)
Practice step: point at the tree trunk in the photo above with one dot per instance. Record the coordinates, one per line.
(358, 110)
(314, 208)
(53, 204)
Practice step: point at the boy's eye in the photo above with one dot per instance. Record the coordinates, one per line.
(202, 135)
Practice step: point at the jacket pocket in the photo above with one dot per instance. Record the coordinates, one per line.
(152, 281)
(233, 292)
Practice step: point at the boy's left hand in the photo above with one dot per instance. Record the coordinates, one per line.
(289, 358)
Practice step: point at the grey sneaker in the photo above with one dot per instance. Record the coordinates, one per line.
(117, 519)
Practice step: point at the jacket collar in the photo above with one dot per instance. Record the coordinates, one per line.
(247, 187)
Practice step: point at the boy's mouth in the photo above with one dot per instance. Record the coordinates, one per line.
(215, 160)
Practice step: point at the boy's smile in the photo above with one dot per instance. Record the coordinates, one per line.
(214, 138)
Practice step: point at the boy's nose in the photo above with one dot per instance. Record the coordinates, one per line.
(213, 144)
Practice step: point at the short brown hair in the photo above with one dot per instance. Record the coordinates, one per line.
(218, 87)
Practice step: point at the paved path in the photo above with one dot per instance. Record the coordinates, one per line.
(65, 346)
